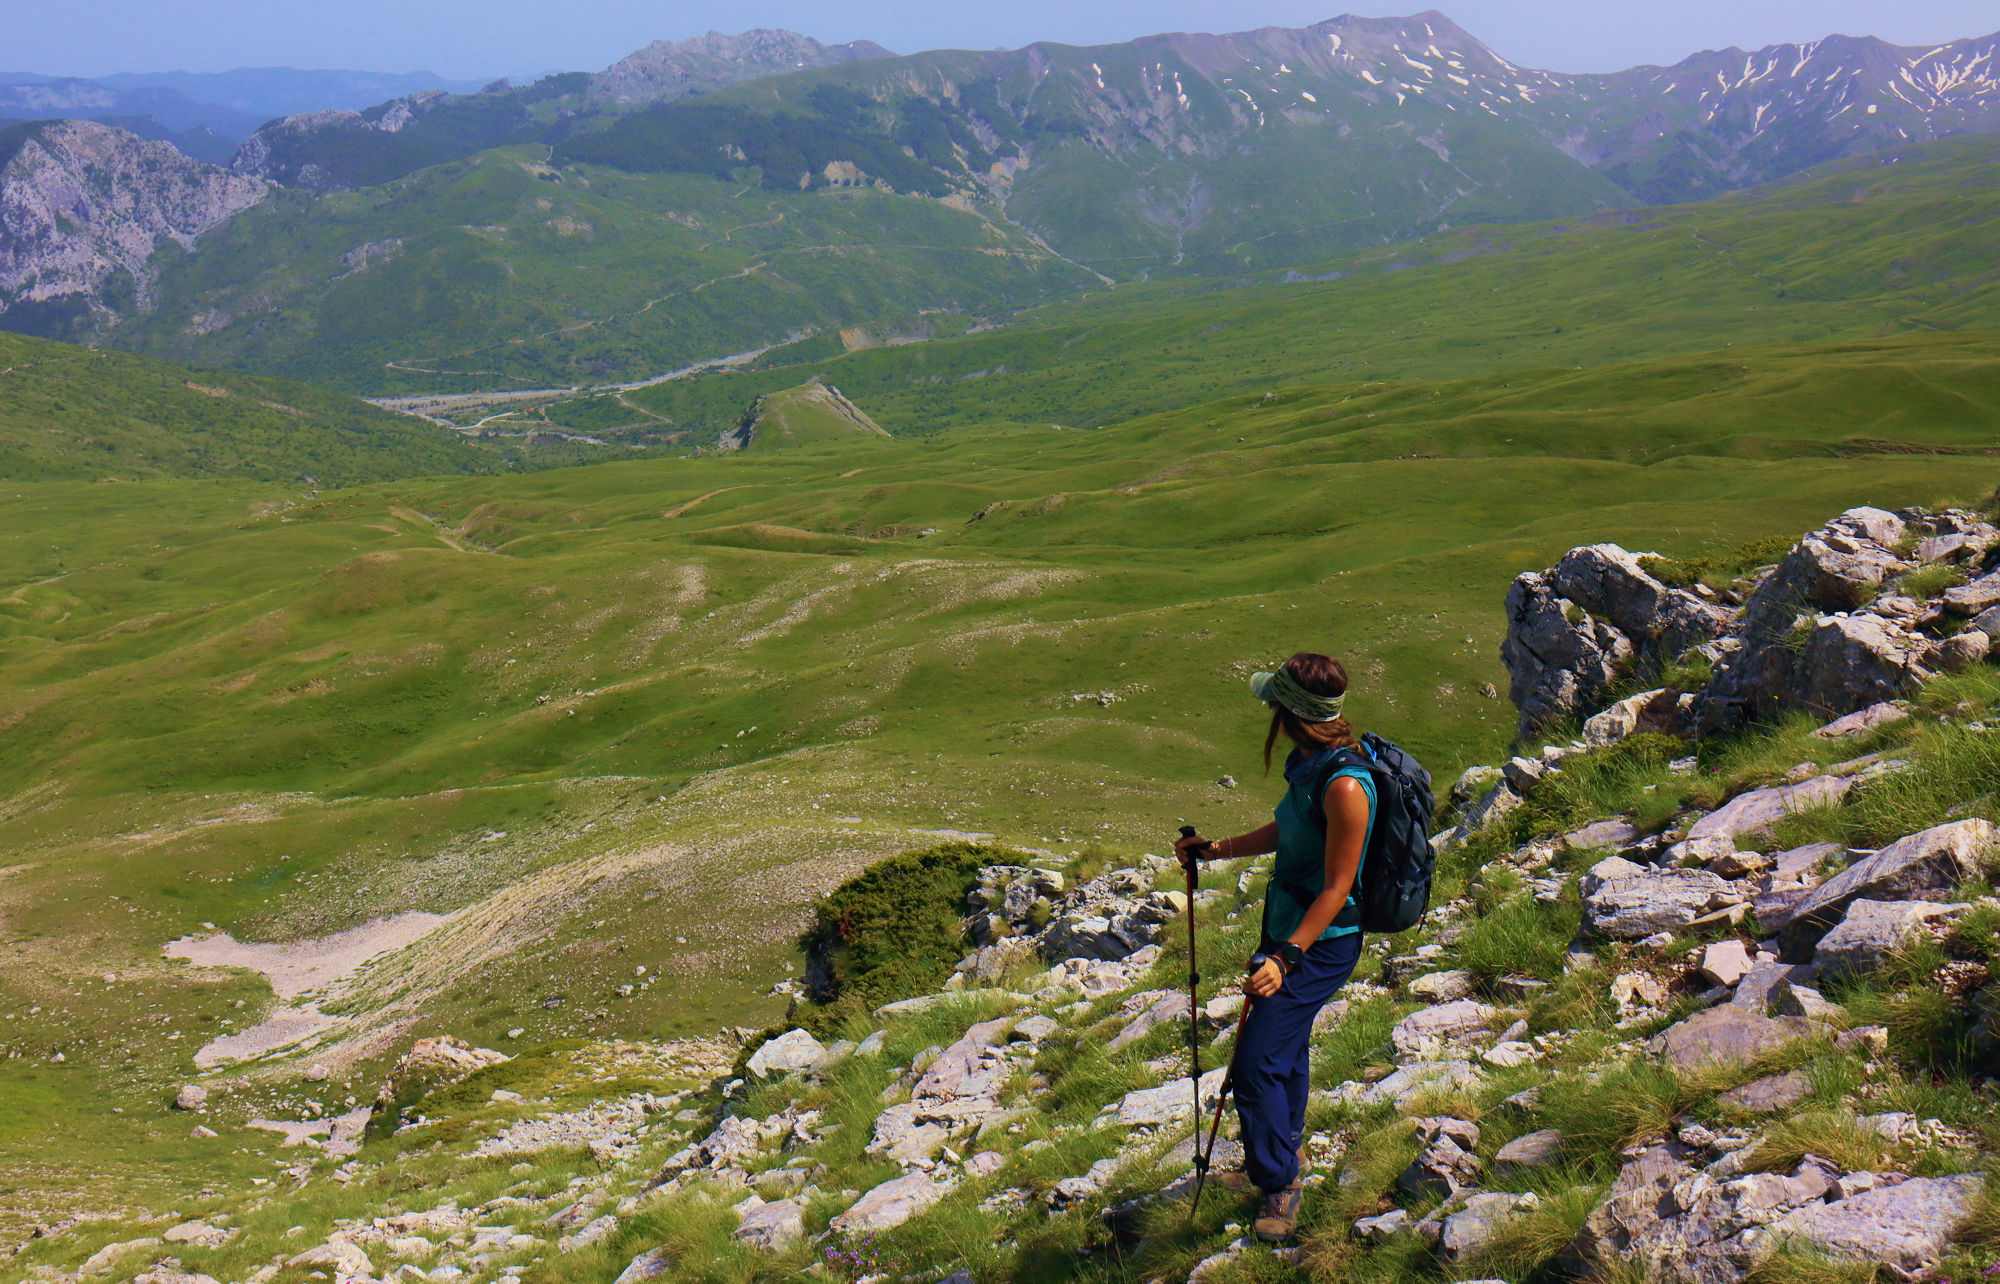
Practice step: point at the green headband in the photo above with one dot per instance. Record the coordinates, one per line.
(1281, 688)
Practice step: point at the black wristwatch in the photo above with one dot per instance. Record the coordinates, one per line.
(1290, 956)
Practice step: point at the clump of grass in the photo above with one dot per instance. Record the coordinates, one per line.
(1624, 1106)
(1950, 768)
(1634, 1270)
(1612, 781)
(1718, 570)
(1342, 1261)
(1797, 1264)
(1521, 937)
(1580, 1000)
(1929, 581)
(1356, 1040)
(1834, 1135)
(1368, 1170)
(1528, 1242)
(893, 930)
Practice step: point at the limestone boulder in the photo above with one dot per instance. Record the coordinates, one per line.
(1725, 1034)
(774, 1226)
(964, 1069)
(1166, 1010)
(649, 1265)
(1907, 1226)
(1958, 653)
(1530, 1150)
(1630, 906)
(1725, 962)
(1923, 865)
(1441, 987)
(1752, 814)
(1873, 931)
(1468, 1232)
(1169, 1103)
(1603, 833)
(891, 1204)
(1447, 1164)
(1649, 712)
(791, 1052)
(1973, 599)
(1765, 977)
(1768, 1095)
(1577, 628)
(1853, 724)
(1406, 1083)
(1445, 1023)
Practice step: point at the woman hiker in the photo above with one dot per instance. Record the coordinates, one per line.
(1311, 939)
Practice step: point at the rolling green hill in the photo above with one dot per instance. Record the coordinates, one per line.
(76, 413)
(500, 271)
(811, 414)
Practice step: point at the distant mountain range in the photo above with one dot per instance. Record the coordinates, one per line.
(1130, 152)
(1186, 155)
(205, 114)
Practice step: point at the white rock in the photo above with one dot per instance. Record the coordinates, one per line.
(794, 1050)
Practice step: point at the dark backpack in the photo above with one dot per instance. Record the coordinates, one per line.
(1394, 889)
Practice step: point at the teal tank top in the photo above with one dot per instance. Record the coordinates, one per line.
(1301, 856)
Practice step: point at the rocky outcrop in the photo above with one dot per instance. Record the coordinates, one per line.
(83, 209)
(1825, 631)
(1577, 630)
(295, 151)
(1820, 634)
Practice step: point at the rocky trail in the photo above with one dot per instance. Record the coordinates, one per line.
(1705, 997)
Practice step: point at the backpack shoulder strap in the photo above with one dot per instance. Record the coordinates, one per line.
(1338, 761)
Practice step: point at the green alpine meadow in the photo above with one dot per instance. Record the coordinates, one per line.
(599, 677)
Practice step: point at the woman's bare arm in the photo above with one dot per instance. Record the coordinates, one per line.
(1346, 830)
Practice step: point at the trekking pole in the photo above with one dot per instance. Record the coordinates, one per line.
(1194, 1015)
(1204, 1156)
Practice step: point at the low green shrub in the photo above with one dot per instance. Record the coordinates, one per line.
(892, 931)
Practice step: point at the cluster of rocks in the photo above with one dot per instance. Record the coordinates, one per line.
(1831, 629)
(1022, 913)
(1692, 1207)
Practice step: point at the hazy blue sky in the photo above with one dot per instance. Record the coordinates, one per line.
(477, 38)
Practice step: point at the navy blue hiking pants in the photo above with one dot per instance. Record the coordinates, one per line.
(1273, 1061)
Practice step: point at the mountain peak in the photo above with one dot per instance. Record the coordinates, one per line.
(670, 69)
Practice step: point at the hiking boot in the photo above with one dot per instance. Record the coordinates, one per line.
(1239, 1181)
(1278, 1216)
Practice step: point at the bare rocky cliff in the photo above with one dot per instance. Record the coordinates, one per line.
(83, 209)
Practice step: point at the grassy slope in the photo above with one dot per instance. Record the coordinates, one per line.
(1887, 245)
(498, 271)
(77, 414)
(644, 713)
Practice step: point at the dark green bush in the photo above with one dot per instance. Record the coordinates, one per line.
(893, 930)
